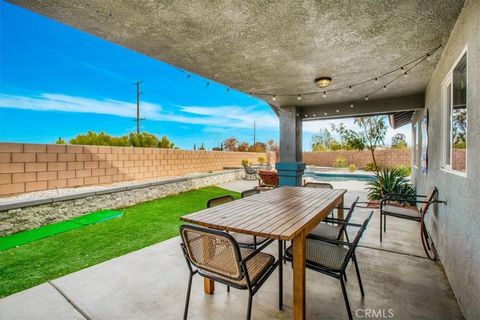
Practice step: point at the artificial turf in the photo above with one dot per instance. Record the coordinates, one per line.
(140, 226)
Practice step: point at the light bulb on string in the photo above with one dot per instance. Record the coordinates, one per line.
(351, 106)
(350, 88)
(405, 74)
(402, 70)
(306, 115)
(314, 115)
(337, 110)
(326, 113)
(274, 97)
(324, 94)
(366, 98)
(384, 88)
(376, 81)
(428, 57)
(299, 97)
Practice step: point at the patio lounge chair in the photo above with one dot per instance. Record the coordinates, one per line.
(217, 256)
(268, 179)
(410, 213)
(331, 257)
(243, 240)
(248, 193)
(249, 172)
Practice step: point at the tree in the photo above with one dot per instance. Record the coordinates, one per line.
(459, 128)
(201, 147)
(322, 140)
(272, 146)
(60, 141)
(165, 143)
(242, 147)
(399, 141)
(257, 147)
(371, 135)
(144, 140)
(230, 144)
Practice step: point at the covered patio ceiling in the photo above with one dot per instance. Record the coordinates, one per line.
(279, 47)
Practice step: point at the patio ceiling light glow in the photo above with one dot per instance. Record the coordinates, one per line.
(323, 82)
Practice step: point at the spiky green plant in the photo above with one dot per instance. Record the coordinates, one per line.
(390, 181)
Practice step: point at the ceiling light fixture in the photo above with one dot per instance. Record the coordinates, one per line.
(323, 82)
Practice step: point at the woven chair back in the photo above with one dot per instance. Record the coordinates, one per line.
(212, 251)
(219, 200)
(321, 185)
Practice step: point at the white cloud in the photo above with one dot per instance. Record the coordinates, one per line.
(213, 116)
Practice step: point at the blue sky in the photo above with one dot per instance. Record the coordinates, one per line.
(56, 81)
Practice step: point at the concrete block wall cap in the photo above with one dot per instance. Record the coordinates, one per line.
(111, 190)
(24, 203)
(74, 196)
(139, 186)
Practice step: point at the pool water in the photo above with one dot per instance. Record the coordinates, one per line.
(338, 176)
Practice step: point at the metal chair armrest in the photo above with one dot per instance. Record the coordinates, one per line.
(314, 237)
(252, 254)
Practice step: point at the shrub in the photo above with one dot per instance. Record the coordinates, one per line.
(340, 162)
(245, 162)
(370, 166)
(261, 160)
(352, 167)
(390, 181)
(404, 170)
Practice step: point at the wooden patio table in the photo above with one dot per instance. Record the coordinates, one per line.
(286, 213)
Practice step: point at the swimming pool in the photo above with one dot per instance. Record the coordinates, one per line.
(338, 176)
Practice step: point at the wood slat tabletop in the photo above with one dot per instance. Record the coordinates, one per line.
(277, 214)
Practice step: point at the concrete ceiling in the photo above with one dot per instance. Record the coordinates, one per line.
(274, 46)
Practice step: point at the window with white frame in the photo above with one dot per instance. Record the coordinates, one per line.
(455, 117)
(415, 144)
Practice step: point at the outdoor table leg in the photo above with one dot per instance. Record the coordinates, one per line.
(299, 253)
(208, 286)
(340, 213)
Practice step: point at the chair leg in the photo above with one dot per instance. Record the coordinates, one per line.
(345, 297)
(254, 242)
(185, 313)
(354, 258)
(280, 275)
(345, 277)
(381, 227)
(249, 308)
(384, 223)
(228, 288)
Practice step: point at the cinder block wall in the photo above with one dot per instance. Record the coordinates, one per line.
(385, 158)
(34, 167)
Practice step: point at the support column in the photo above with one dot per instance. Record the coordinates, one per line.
(290, 168)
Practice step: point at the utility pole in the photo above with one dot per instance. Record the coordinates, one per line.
(254, 133)
(137, 83)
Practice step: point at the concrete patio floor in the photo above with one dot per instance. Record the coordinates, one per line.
(151, 284)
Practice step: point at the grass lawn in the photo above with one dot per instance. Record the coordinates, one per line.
(141, 225)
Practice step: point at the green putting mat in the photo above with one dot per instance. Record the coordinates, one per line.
(25, 237)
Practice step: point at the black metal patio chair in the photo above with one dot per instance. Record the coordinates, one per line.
(331, 257)
(244, 240)
(410, 213)
(248, 193)
(249, 172)
(217, 256)
(337, 228)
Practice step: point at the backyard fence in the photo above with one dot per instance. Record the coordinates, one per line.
(34, 167)
(384, 157)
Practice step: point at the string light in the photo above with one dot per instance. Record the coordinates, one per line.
(314, 115)
(326, 113)
(306, 115)
(405, 69)
(298, 114)
(337, 110)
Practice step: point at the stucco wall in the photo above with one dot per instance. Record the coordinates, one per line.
(456, 227)
(34, 167)
(385, 158)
